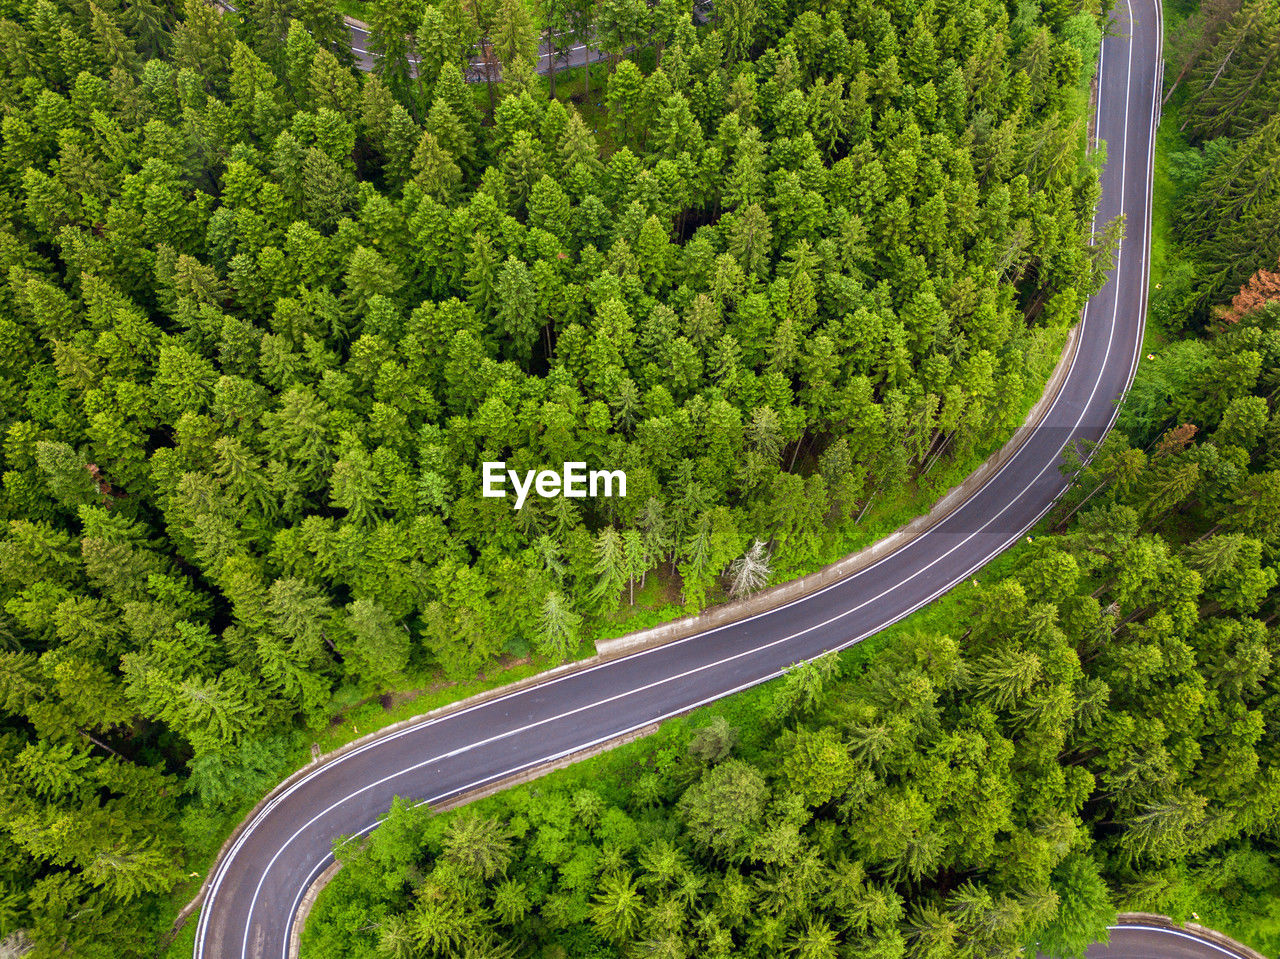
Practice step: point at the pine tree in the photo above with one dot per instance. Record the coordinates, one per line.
(517, 315)
(1238, 75)
(636, 560)
(750, 237)
(623, 97)
(1163, 829)
(450, 132)
(557, 631)
(1006, 676)
(514, 35)
(115, 49)
(202, 42)
(610, 568)
(738, 21)
(522, 164)
(381, 645)
(619, 25)
(750, 572)
(323, 20)
(435, 171)
(392, 43)
(299, 56)
(479, 845)
(618, 907)
(725, 808)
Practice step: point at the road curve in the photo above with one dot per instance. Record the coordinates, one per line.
(1139, 941)
(258, 883)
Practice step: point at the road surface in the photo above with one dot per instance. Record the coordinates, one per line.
(257, 886)
(1156, 942)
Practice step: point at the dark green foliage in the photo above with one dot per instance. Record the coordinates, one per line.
(231, 777)
(1237, 77)
(1228, 222)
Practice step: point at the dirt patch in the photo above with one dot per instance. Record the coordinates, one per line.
(393, 700)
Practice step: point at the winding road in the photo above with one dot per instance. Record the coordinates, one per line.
(257, 885)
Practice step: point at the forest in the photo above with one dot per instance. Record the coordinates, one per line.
(1225, 68)
(262, 316)
(1095, 729)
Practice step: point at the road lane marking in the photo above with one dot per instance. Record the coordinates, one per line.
(1181, 935)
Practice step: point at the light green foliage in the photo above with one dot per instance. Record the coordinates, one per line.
(558, 624)
(232, 776)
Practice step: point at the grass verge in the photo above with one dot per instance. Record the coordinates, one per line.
(356, 9)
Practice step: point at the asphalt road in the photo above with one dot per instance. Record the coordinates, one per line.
(1153, 942)
(575, 56)
(257, 886)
